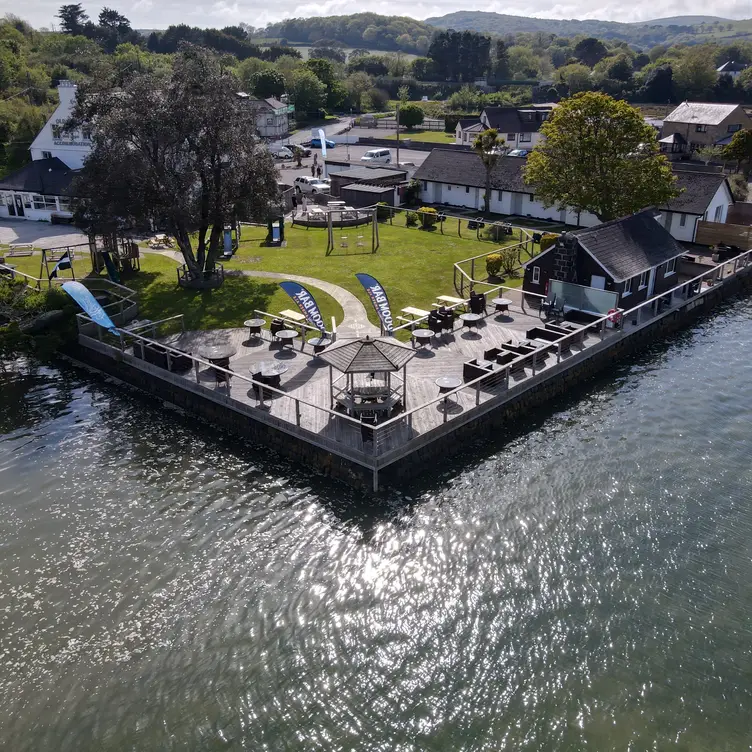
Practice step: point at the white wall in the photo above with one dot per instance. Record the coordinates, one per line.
(722, 199)
(72, 148)
(672, 222)
(30, 213)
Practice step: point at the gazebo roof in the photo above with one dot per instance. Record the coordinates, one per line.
(367, 355)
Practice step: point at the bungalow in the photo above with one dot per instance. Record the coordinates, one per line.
(519, 127)
(458, 178)
(40, 190)
(635, 257)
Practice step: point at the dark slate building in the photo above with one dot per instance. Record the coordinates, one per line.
(634, 256)
(40, 190)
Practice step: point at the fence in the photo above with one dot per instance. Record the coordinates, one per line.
(712, 233)
(428, 124)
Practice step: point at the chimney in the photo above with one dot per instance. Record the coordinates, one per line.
(565, 258)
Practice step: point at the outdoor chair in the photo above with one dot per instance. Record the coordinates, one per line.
(447, 319)
(155, 355)
(179, 362)
(471, 370)
(277, 325)
(477, 303)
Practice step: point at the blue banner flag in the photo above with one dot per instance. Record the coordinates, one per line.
(64, 263)
(306, 303)
(88, 303)
(379, 300)
(322, 136)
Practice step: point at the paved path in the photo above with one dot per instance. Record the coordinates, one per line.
(39, 234)
(355, 322)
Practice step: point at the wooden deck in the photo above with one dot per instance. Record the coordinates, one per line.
(307, 379)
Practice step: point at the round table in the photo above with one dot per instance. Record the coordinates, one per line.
(421, 336)
(270, 372)
(502, 304)
(219, 355)
(470, 320)
(254, 327)
(287, 336)
(448, 383)
(319, 343)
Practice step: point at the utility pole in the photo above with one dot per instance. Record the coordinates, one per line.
(397, 112)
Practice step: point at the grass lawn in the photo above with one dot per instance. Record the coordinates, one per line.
(229, 306)
(434, 137)
(414, 266)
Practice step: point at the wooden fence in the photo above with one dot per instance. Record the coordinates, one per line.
(712, 233)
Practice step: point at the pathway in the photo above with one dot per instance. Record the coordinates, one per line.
(355, 322)
(39, 234)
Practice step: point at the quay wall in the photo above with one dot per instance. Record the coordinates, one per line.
(219, 411)
(556, 381)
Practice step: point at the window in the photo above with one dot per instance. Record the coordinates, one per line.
(449, 187)
(45, 202)
(670, 267)
(734, 128)
(643, 280)
(526, 137)
(718, 217)
(531, 196)
(27, 201)
(425, 185)
(65, 203)
(500, 192)
(467, 189)
(627, 288)
(46, 155)
(511, 136)
(701, 129)
(544, 116)
(682, 220)
(536, 275)
(270, 121)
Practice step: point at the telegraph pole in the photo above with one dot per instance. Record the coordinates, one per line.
(397, 111)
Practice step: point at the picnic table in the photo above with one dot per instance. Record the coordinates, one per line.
(292, 315)
(417, 313)
(449, 300)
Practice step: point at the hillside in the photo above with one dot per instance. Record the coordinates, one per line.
(686, 29)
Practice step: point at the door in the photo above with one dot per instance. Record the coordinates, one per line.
(599, 283)
(19, 205)
(517, 203)
(9, 203)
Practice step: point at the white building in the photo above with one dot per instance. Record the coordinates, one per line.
(272, 116)
(39, 191)
(732, 69)
(518, 126)
(70, 148)
(457, 178)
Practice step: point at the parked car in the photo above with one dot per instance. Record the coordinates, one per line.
(518, 153)
(281, 152)
(316, 143)
(381, 156)
(306, 184)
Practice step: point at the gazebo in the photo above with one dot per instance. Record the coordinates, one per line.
(368, 384)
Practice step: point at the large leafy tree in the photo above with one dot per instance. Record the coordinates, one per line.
(306, 91)
(740, 148)
(411, 115)
(599, 156)
(695, 74)
(268, 82)
(175, 149)
(590, 51)
(489, 147)
(73, 18)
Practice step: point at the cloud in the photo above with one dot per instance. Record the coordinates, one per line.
(147, 14)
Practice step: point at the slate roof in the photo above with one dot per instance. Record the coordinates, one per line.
(50, 177)
(368, 173)
(365, 188)
(629, 246)
(465, 123)
(731, 67)
(698, 189)
(466, 168)
(367, 355)
(702, 113)
(509, 119)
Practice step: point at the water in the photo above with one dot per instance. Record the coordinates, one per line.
(587, 584)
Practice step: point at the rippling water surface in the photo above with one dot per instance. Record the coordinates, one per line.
(586, 584)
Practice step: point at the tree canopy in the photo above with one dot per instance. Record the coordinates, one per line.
(599, 156)
(489, 147)
(411, 115)
(175, 150)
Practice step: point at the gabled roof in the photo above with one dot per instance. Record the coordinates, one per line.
(674, 138)
(731, 67)
(702, 113)
(629, 246)
(367, 355)
(509, 119)
(465, 123)
(275, 103)
(466, 168)
(697, 191)
(51, 177)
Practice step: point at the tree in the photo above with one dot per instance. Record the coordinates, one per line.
(576, 77)
(403, 94)
(658, 86)
(184, 152)
(423, 69)
(695, 74)
(111, 19)
(500, 65)
(740, 148)
(489, 147)
(620, 69)
(357, 84)
(329, 53)
(590, 51)
(739, 186)
(410, 115)
(246, 71)
(306, 92)
(599, 156)
(72, 18)
(710, 153)
(268, 83)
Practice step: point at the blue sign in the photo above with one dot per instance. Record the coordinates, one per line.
(228, 242)
(88, 303)
(322, 136)
(379, 300)
(306, 303)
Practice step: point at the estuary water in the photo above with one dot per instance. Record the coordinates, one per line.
(585, 583)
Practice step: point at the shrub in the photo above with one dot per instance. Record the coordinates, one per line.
(383, 211)
(411, 115)
(509, 261)
(493, 264)
(428, 216)
(547, 240)
(411, 218)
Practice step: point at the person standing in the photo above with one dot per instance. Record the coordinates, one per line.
(318, 171)
(294, 203)
(315, 158)
(313, 170)
(304, 204)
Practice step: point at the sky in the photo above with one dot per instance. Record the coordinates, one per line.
(158, 14)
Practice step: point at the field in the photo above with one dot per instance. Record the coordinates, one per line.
(304, 49)
(433, 137)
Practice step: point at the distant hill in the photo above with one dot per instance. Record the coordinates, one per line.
(687, 29)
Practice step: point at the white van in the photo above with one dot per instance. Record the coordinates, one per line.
(383, 156)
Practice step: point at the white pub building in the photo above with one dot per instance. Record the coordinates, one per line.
(40, 189)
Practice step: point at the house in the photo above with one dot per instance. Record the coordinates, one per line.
(381, 176)
(704, 124)
(458, 178)
(635, 257)
(732, 69)
(519, 127)
(51, 142)
(272, 116)
(40, 190)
